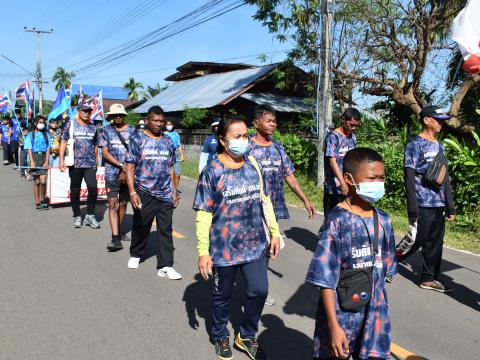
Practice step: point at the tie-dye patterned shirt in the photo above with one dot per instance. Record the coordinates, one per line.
(153, 159)
(336, 146)
(275, 165)
(237, 235)
(110, 139)
(345, 244)
(85, 137)
(5, 130)
(419, 153)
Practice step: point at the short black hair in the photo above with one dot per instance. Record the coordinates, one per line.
(351, 113)
(155, 110)
(260, 110)
(358, 156)
(224, 125)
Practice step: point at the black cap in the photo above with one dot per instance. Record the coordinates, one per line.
(434, 112)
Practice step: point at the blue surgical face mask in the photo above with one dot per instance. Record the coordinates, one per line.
(237, 147)
(371, 191)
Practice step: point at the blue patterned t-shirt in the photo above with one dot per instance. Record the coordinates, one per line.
(110, 139)
(336, 146)
(15, 130)
(419, 153)
(237, 234)
(345, 244)
(275, 165)
(210, 146)
(85, 137)
(153, 159)
(5, 130)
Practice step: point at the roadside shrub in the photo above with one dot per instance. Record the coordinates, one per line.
(194, 118)
(302, 153)
(464, 163)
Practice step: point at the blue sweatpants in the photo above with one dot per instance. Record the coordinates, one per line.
(256, 288)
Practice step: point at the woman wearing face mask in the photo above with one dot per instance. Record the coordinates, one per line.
(38, 145)
(231, 236)
(356, 239)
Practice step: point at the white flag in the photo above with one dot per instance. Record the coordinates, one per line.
(466, 29)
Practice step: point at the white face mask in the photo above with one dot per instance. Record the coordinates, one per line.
(40, 126)
(169, 127)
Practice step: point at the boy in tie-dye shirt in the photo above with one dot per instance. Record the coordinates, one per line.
(337, 143)
(346, 242)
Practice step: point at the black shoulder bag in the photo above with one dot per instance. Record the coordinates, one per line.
(354, 287)
(436, 174)
(122, 140)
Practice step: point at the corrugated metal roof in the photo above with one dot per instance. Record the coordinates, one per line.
(108, 92)
(279, 103)
(206, 91)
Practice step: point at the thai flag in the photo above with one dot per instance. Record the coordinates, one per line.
(23, 91)
(31, 105)
(97, 104)
(4, 103)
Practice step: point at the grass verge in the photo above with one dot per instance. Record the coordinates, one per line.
(457, 235)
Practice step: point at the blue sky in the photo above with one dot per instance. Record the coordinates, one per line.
(231, 38)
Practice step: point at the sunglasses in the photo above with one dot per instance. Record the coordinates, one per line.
(86, 111)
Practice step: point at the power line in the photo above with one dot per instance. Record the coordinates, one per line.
(146, 41)
(119, 23)
(20, 66)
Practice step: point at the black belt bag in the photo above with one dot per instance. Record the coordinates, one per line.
(354, 287)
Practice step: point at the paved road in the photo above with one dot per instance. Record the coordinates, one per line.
(63, 297)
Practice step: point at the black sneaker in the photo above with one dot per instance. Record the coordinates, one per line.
(38, 206)
(250, 347)
(116, 244)
(389, 279)
(45, 206)
(435, 285)
(223, 350)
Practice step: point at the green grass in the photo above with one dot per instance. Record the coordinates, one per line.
(459, 234)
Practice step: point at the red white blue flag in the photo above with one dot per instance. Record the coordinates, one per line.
(97, 103)
(4, 103)
(23, 91)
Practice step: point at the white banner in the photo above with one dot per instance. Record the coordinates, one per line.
(58, 186)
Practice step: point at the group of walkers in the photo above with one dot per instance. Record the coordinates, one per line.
(239, 200)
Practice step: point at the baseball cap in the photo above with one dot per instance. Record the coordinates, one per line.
(83, 105)
(215, 122)
(434, 112)
(141, 122)
(117, 109)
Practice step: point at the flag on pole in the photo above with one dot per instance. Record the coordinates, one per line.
(97, 104)
(466, 32)
(23, 91)
(4, 103)
(60, 105)
(31, 105)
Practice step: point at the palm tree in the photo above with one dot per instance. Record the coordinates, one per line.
(131, 86)
(62, 76)
(153, 91)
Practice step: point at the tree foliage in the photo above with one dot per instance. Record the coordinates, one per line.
(62, 76)
(382, 48)
(131, 86)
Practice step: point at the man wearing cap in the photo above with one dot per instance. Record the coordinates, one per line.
(85, 163)
(141, 125)
(209, 146)
(114, 142)
(428, 205)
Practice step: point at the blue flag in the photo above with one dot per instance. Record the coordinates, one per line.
(60, 105)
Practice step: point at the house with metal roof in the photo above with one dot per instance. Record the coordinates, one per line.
(239, 88)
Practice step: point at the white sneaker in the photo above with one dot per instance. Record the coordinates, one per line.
(169, 272)
(133, 263)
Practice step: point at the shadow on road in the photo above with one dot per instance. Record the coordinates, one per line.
(303, 237)
(303, 302)
(281, 342)
(197, 298)
(460, 293)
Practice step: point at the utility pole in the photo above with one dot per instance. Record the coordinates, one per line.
(39, 80)
(324, 89)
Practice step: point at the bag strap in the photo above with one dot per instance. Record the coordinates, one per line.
(255, 165)
(122, 140)
(375, 232)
